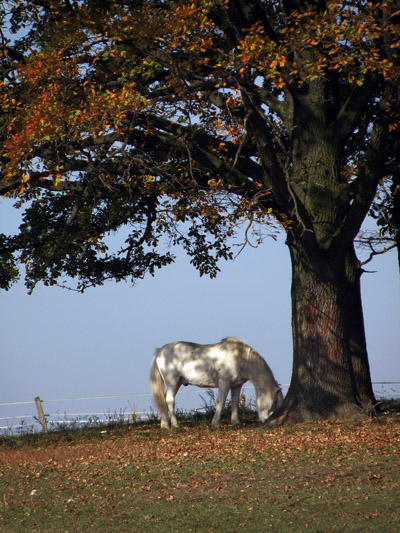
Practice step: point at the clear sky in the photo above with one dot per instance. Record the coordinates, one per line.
(61, 344)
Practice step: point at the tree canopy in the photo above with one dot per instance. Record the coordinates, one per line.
(149, 113)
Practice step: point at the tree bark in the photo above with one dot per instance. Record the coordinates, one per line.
(330, 377)
(396, 213)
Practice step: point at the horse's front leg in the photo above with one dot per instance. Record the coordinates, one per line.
(222, 394)
(170, 399)
(235, 397)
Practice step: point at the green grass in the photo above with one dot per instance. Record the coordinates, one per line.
(316, 477)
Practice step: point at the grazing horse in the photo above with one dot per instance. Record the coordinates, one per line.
(226, 365)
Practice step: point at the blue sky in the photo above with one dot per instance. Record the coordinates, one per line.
(61, 344)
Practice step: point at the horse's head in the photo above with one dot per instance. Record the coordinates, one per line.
(268, 404)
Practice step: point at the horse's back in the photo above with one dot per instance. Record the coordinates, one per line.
(197, 364)
(178, 350)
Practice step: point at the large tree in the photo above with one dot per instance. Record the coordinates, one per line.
(180, 119)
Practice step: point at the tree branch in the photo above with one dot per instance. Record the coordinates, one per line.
(376, 252)
(74, 213)
(355, 104)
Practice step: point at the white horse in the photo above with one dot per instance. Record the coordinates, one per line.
(226, 365)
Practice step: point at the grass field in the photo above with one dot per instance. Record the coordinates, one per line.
(320, 477)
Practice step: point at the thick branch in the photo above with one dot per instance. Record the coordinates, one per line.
(354, 106)
(365, 186)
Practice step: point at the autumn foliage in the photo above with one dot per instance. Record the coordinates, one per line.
(116, 100)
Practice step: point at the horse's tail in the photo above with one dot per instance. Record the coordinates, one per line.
(157, 387)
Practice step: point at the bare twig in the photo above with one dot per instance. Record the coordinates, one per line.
(376, 252)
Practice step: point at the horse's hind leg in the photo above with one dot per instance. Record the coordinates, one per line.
(222, 394)
(170, 398)
(235, 397)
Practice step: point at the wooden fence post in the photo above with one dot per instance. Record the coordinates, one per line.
(242, 401)
(42, 418)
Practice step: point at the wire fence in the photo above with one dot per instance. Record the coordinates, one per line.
(39, 418)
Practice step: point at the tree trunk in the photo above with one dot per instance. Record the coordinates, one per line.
(330, 377)
(396, 214)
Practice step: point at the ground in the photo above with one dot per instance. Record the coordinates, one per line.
(319, 477)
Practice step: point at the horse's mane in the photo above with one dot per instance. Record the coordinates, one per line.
(251, 358)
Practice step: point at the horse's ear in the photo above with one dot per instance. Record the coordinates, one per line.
(279, 393)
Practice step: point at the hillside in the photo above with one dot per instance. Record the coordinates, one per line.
(325, 477)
